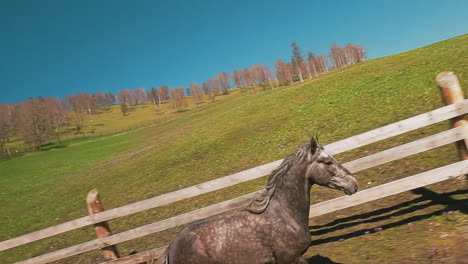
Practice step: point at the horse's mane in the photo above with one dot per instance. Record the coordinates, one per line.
(260, 203)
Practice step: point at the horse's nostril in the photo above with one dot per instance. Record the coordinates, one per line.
(353, 188)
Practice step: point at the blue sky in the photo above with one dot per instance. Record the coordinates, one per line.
(54, 48)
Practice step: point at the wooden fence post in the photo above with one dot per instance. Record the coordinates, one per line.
(102, 229)
(453, 93)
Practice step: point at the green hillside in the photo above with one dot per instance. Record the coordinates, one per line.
(46, 188)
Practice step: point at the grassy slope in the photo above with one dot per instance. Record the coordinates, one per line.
(48, 188)
(112, 120)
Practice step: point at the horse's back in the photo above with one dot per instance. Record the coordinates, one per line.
(232, 238)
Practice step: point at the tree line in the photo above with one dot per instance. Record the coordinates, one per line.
(38, 121)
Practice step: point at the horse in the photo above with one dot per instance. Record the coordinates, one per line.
(273, 228)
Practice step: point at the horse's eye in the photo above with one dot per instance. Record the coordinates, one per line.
(328, 163)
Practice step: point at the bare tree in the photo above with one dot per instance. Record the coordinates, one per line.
(258, 74)
(82, 104)
(178, 99)
(138, 96)
(350, 54)
(238, 79)
(337, 56)
(249, 79)
(321, 64)
(262, 74)
(125, 97)
(74, 102)
(6, 122)
(150, 97)
(355, 53)
(316, 64)
(197, 93)
(283, 72)
(224, 79)
(87, 102)
(268, 74)
(55, 112)
(164, 93)
(110, 98)
(154, 96)
(361, 53)
(311, 63)
(206, 86)
(279, 72)
(214, 89)
(99, 99)
(161, 95)
(33, 125)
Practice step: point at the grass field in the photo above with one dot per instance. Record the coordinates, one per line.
(177, 150)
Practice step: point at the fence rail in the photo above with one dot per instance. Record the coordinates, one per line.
(391, 188)
(456, 134)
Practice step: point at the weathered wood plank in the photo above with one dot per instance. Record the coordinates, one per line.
(391, 188)
(405, 150)
(453, 93)
(372, 136)
(142, 257)
(398, 128)
(409, 183)
(102, 229)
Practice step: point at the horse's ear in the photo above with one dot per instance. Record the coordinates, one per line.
(313, 145)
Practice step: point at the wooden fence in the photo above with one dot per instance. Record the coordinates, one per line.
(455, 110)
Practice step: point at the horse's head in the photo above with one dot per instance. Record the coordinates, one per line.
(324, 170)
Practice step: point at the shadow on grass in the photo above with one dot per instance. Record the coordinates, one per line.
(51, 146)
(428, 198)
(317, 259)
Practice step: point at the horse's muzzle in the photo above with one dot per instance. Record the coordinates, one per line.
(352, 188)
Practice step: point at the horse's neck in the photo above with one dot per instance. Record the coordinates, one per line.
(292, 197)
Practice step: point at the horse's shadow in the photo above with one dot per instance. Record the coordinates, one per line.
(317, 259)
(428, 198)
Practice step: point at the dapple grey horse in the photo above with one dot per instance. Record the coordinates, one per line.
(273, 229)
